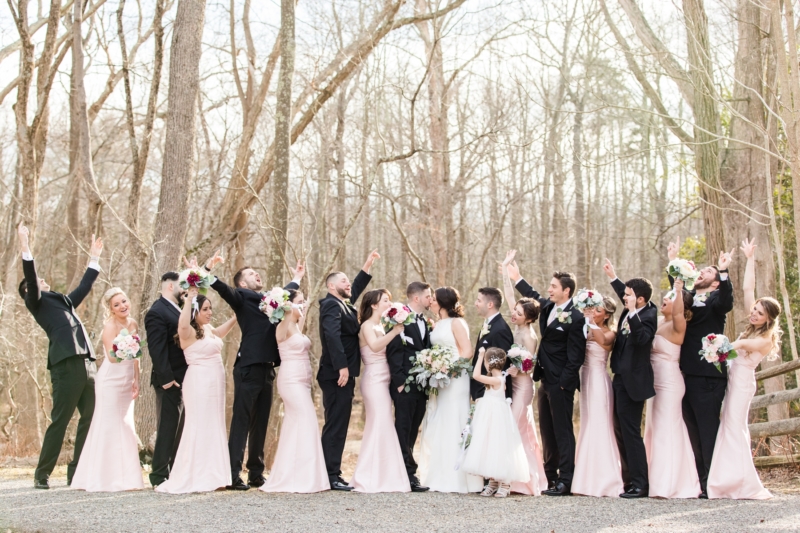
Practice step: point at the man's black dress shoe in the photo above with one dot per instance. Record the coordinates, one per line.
(634, 492)
(238, 484)
(550, 486)
(703, 495)
(416, 487)
(340, 484)
(40, 484)
(626, 487)
(561, 488)
(256, 481)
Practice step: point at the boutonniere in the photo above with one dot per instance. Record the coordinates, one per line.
(700, 298)
(485, 330)
(563, 316)
(347, 301)
(626, 328)
(429, 323)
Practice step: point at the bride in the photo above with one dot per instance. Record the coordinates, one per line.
(447, 413)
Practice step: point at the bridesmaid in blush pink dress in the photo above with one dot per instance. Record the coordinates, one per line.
(670, 459)
(733, 474)
(380, 466)
(597, 464)
(524, 313)
(202, 462)
(110, 458)
(299, 465)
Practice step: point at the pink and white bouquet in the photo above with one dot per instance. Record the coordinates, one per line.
(275, 304)
(126, 346)
(521, 358)
(587, 299)
(685, 271)
(397, 314)
(435, 367)
(717, 349)
(193, 277)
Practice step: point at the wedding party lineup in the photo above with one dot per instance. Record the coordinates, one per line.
(663, 394)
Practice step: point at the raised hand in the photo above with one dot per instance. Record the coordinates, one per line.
(678, 285)
(192, 293)
(190, 264)
(214, 260)
(509, 257)
(97, 247)
(299, 271)
(725, 259)
(373, 256)
(748, 248)
(608, 268)
(673, 248)
(513, 271)
(24, 238)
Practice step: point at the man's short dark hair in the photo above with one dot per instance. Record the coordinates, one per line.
(567, 281)
(416, 287)
(640, 287)
(717, 277)
(238, 276)
(331, 276)
(493, 295)
(23, 290)
(169, 276)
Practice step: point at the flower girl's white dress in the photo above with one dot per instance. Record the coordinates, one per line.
(495, 450)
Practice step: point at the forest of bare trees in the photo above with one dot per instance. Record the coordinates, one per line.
(441, 132)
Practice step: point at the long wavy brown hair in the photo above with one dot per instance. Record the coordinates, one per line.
(769, 329)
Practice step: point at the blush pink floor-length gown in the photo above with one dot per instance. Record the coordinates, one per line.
(597, 464)
(110, 458)
(202, 462)
(521, 398)
(380, 466)
(670, 459)
(299, 465)
(733, 474)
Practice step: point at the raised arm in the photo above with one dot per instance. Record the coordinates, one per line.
(508, 287)
(616, 283)
(477, 375)
(461, 334)
(377, 342)
(92, 271)
(186, 332)
(33, 297)
(678, 316)
(723, 303)
(523, 286)
(749, 284)
(224, 329)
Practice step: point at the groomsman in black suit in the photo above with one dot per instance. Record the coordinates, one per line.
(409, 401)
(633, 377)
(169, 369)
(340, 363)
(70, 356)
(562, 350)
(494, 333)
(705, 385)
(253, 371)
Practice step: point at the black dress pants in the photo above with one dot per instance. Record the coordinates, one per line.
(252, 402)
(409, 410)
(338, 404)
(555, 426)
(169, 407)
(701, 406)
(628, 431)
(73, 387)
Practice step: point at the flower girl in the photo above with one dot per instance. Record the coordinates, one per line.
(495, 451)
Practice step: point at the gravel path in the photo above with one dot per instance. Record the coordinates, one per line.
(61, 509)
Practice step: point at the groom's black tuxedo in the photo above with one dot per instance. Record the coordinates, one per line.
(253, 376)
(409, 407)
(633, 385)
(705, 385)
(560, 357)
(338, 333)
(499, 336)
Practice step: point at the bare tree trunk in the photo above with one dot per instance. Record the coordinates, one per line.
(579, 220)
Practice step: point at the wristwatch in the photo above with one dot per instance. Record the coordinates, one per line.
(205, 267)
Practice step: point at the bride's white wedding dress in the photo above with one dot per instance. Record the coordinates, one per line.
(445, 417)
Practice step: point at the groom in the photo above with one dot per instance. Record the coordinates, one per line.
(409, 405)
(253, 371)
(559, 359)
(494, 333)
(340, 363)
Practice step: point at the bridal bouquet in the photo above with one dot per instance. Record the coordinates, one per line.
(587, 299)
(434, 367)
(397, 314)
(717, 349)
(193, 277)
(521, 358)
(683, 270)
(126, 346)
(275, 304)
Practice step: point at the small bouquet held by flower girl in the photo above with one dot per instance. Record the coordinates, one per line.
(275, 304)
(434, 367)
(521, 358)
(587, 299)
(397, 314)
(683, 270)
(717, 349)
(127, 346)
(193, 277)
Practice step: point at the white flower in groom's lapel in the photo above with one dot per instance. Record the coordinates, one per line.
(485, 330)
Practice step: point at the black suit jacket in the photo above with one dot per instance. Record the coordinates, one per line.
(399, 355)
(563, 346)
(338, 332)
(258, 344)
(630, 357)
(708, 318)
(55, 313)
(499, 336)
(161, 326)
